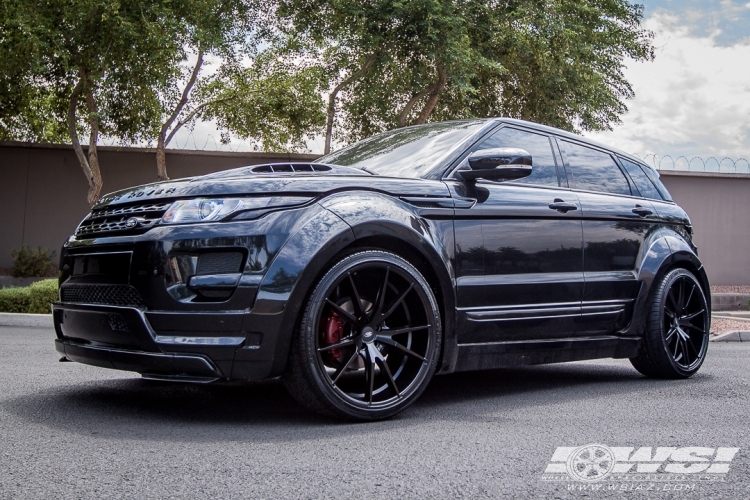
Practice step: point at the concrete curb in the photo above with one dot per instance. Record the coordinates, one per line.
(740, 336)
(27, 320)
(731, 314)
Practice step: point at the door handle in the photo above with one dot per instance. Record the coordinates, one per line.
(643, 212)
(561, 206)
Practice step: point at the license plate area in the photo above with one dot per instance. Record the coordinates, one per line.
(110, 268)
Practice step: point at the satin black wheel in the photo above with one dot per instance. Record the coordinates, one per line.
(368, 341)
(676, 337)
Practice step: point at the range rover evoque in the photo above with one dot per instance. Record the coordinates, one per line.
(462, 245)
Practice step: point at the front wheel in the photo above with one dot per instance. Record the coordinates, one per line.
(676, 337)
(369, 339)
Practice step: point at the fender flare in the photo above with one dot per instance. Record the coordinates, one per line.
(373, 215)
(666, 250)
(290, 276)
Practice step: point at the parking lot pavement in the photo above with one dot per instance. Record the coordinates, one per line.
(73, 431)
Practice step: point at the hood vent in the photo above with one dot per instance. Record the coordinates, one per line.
(290, 168)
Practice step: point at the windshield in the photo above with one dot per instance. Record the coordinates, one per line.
(405, 152)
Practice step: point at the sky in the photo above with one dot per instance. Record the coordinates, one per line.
(692, 100)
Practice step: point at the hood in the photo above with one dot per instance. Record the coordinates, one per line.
(288, 178)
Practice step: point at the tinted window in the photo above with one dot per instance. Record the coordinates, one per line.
(543, 169)
(593, 170)
(405, 152)
(642, 182)
(651, 173)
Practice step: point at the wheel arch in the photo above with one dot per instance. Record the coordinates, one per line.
(666, 251)
(382, 221)
(437, 277)
(330, 236)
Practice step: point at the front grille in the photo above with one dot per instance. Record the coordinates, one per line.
(113, 295)
(127, 219)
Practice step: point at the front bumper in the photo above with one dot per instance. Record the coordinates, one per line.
(123, 338)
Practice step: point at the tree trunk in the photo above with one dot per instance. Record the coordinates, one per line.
(96, 174)
(163, 140)
(334, 93)
(93, 176)
(403, 117)
(161, 159)
(434, 95)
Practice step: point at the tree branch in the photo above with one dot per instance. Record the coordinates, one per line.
(192, 114)
(404, 115)
(162, 140)
(434, 95)
(185, 95)
(332, 97)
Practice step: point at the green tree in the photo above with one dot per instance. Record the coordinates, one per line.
(557, 62)
(251, 91)
(421, 44)
(560, 61)
(88, 63)
(274, 103)
(220, 30)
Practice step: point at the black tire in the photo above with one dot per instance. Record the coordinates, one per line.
(676, 337)
(372, 361)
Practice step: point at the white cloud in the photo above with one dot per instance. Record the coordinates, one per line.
(693, 100)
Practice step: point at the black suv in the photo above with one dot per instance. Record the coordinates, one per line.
(438, 248)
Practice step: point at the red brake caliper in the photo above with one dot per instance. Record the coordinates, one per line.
(333, 331)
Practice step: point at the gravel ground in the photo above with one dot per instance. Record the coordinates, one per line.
(730, 289)
(719, 326)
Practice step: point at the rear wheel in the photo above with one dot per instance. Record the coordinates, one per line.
(368, 341)
(676, 338)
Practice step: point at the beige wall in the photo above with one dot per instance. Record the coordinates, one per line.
(43, 190)
(43, 198)
(719, 207)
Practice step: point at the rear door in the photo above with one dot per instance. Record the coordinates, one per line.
(616, 220)
(519, 258)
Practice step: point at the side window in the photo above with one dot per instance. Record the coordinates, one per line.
(641, 180)
(651, 173)
(543, 170)
(593, 170)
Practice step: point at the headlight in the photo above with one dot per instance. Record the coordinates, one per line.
(216, 209)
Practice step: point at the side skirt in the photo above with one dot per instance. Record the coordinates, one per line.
(485, 356)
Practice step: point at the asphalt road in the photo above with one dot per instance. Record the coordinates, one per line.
(73, 431)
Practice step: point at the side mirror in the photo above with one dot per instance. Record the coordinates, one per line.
(498, 164)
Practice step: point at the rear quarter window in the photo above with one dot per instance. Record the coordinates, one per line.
(651, 173)
(641, 180)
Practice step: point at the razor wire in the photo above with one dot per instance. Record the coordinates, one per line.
(190, 142)
(207, 142)
(726, 165)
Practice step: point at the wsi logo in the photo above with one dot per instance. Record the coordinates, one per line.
(595, 462)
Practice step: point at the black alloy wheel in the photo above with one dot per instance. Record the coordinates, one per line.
(369, 340)
(677, 332)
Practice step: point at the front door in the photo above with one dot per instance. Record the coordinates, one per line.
(519, 250)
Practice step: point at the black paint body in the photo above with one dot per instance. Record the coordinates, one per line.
(518, 281)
